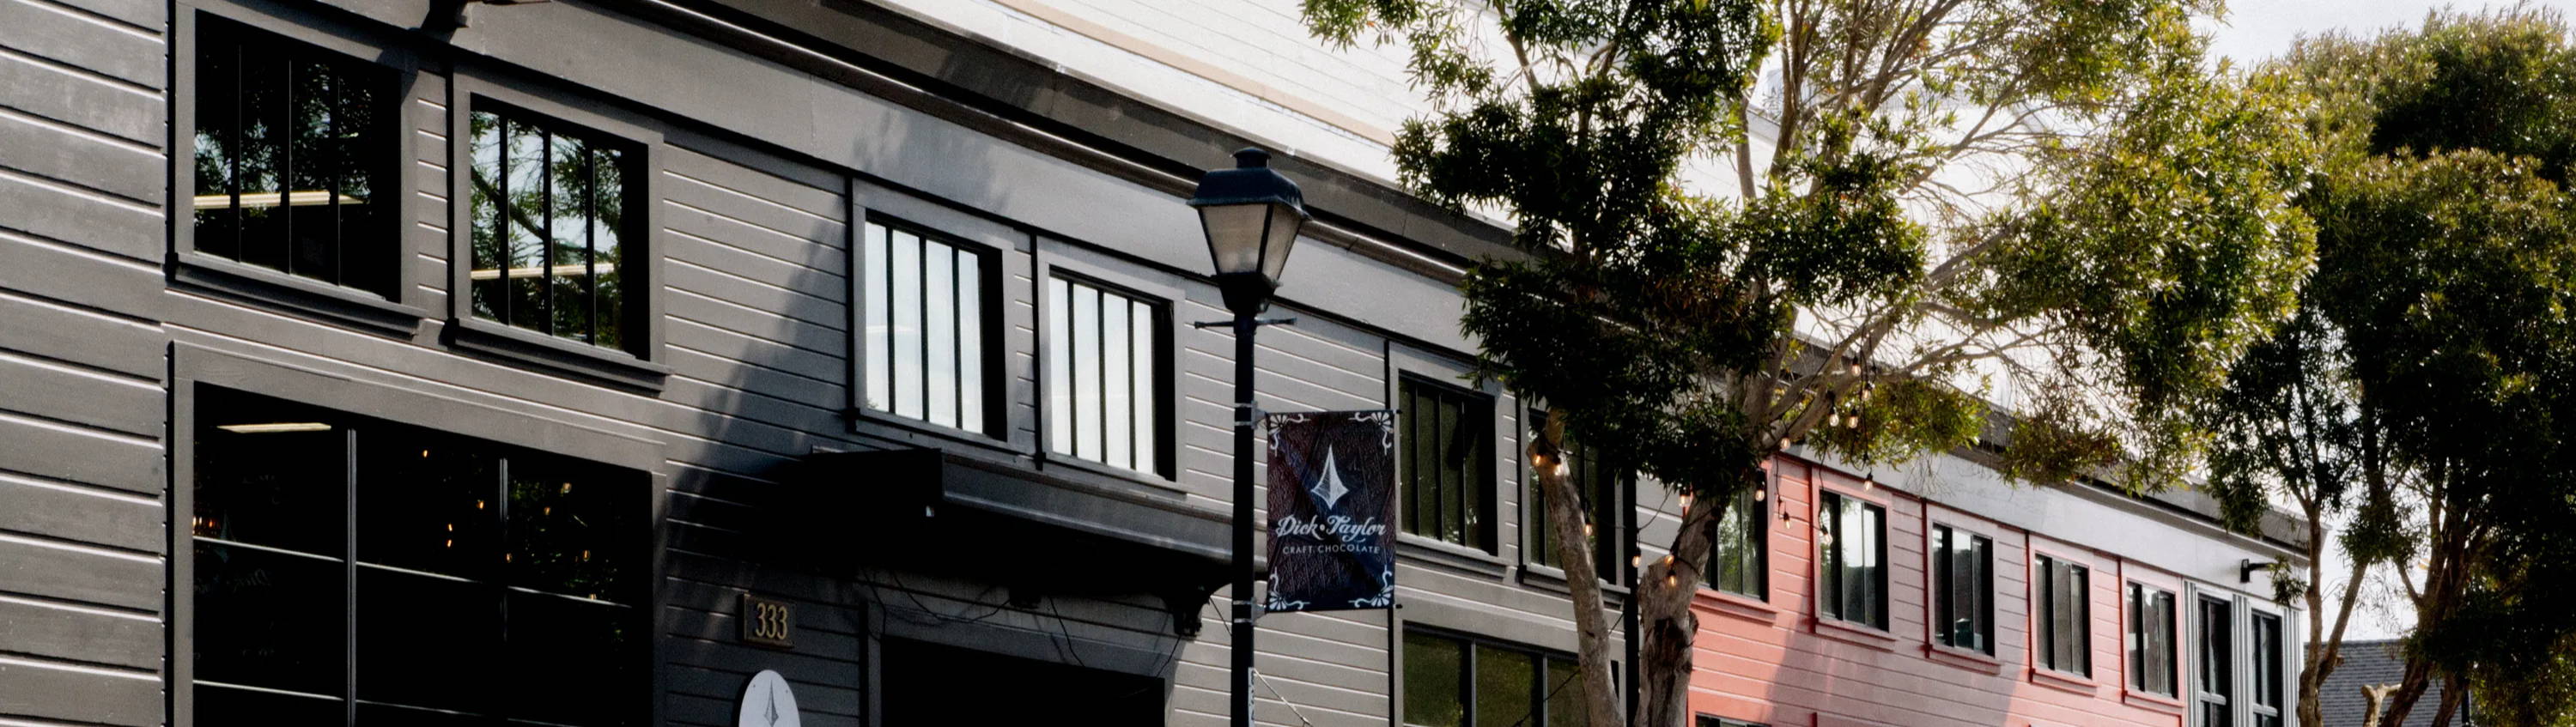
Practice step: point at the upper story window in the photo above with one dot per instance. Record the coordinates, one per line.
(1458, 682)
(1104, 376)
(1963, 589)
(2213, 692)
(2151, 639)
(295, 150)
(553, 236)
(929, 330)
(414, 574)
(1853, 549)
(1601, 485)
(1712, 721)
(2064, 610)
(2266, 680)
(1447, 436)
(1740, 549)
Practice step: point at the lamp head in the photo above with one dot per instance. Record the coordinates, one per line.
(1251, 215)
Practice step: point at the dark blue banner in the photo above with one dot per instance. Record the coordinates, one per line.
(1332, 492)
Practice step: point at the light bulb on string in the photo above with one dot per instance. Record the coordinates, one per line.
(1761, 492)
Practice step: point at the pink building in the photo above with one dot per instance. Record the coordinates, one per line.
(1947, 598)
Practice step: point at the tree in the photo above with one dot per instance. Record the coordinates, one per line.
(2291, 427)
(2050, 203)
(2444, 311)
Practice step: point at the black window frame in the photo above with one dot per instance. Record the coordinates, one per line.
(1836, 599)
(1160, 463)
(1476, 487)
(990, 302)
(205, 406)
(2060, 585)
(638, 363)
(390, 306)
(2153, 661)
(1946, 590)
(1711, 720)
(2266, 676)
(1752, 554)
(2214, 682)
(632, 234)
(1594, 480)
(1544, 683)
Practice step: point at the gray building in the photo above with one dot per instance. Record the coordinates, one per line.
(571, 362)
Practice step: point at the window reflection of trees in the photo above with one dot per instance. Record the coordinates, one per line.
(548, 226)
(290, 145)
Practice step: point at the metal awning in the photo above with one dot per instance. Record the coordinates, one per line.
(948, 512)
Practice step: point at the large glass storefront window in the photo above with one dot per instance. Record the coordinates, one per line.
(349, 568)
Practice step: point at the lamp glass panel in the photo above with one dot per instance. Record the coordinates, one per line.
(1281, 235)
(1234, 235)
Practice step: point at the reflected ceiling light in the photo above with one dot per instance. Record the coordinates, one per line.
(276, 427)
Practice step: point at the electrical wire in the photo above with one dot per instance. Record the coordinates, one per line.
(1263, 678)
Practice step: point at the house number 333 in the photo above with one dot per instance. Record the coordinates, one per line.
(766, 622)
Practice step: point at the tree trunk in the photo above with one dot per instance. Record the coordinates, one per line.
(1601, 702)
(2451, 691)
(1666, 625)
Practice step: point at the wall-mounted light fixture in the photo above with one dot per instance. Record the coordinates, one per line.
(2245, 570)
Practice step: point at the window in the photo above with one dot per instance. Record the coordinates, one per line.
(1448, 463)
(2216, 685)
(1854, 553)
(1740, 554)
(2151, 640)
(1713, 721)
(1601, 486)
(1963, 589)
(551, 229)
(2065, 611)
(1459, 682)
(414, 574)
(2267, 681)
(928, 333)
(1104, 386)
(292, 145)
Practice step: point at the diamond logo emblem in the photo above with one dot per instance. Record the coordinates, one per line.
(1328, 487)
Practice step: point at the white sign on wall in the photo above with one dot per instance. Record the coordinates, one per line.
(767, 702)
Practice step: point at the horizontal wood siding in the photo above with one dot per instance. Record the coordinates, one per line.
(83, 177)
(1778, 666)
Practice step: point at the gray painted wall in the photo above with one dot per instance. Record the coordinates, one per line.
(761, 175)
(82, 359)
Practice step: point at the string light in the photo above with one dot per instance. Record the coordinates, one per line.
(1633, 561)
(1761, 492)
(1686, 498)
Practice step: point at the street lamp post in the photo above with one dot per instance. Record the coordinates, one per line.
(1250, 215)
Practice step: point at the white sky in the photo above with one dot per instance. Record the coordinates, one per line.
(2259, 29)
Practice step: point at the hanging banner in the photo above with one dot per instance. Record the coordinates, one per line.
(1332, 489)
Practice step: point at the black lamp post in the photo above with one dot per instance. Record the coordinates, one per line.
(1250, 214)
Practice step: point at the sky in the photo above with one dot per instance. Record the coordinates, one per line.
(2259, 29)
